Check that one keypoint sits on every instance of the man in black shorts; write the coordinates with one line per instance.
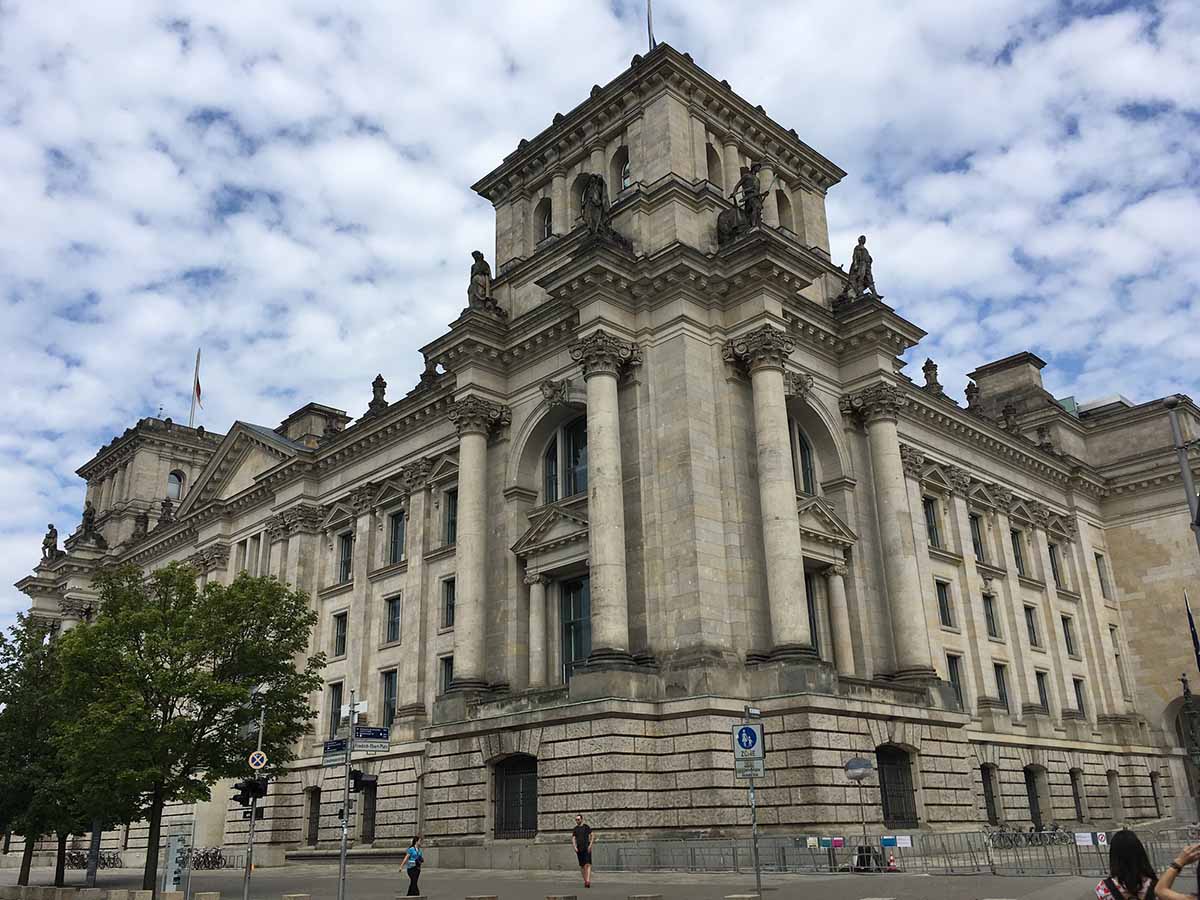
(582, 840)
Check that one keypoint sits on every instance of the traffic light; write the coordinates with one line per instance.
(244, 790)
(359, 780)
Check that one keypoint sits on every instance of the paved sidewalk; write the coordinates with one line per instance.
(375, 882)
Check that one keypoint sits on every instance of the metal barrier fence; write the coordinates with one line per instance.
(951, 853)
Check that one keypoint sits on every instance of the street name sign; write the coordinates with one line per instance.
(371, 739)
(334, 753)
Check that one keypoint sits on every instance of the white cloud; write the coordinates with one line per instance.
(1025, 170)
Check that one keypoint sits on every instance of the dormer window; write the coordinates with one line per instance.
(564, 464)
(175, 486)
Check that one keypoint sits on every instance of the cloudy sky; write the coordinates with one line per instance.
(287, 185)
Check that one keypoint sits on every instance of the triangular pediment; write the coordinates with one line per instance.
(1021, 512)
(339, 513)
(391, 493)
(445, 469)
(934, 475)
(245, 455)
(552, 527)
(979, 494)
(818, 520)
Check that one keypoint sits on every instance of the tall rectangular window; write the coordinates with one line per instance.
(345, 556)
(451, 520)
(929, 504)
(446, 672)
(1102, 573)
(1018, 554)
(810, 593)
(1069, 635)
(575, 457)
(392, 622)
(390, 681)
(397, 536)
(989, 616)
(1031, 625)
(1042, 689)
(1079, 700)
(575, 613)
(1001, 683)
(253, 554)
(945, 607)
(335, 708)
(1116, 650)
(341, 622)
(448, 594)
(1055, 566)
(954, 671)
(977, 537)
(550, 471)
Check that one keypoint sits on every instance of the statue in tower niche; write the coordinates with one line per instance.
(479, 290)
(87, 524)
(860, 280)
(747, 197)
(50, 543)
(593, 202)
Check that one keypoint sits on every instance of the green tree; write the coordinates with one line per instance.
(163, 680)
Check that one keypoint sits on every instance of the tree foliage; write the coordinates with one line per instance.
(162, 685)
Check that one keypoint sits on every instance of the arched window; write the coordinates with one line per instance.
(713, 160)
(803, 462)
(896, 790)
(619, 172)
(564, 464)
(516, 797)
(990, 793)
(543, 220)
(175, 485)
(785, 211)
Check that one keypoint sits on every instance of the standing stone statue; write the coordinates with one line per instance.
(479, 292)
(50, 542)
(594, 203)
(861, 279)
(167, 515)
(88, 524)
(751, 199)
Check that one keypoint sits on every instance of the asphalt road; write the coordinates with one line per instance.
(375, 882)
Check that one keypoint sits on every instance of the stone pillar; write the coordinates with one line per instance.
(475, 418)
(596, 165)
(770, 210)
(558, 210)
(839, 619)
(537, 630)
(763, 351)
(731, 164)
(602, 356)
(879, 407)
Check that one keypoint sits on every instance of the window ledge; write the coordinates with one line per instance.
(387, 645)
(341, 587)
(397, 568)
(445, 629)
(441, 552)
(1037, 648)
(1028, 581)
(341, 657)
(987, 568)
(944, 554)
(1076, 657)
(952, 629)
(996, 640)
(1069, 594)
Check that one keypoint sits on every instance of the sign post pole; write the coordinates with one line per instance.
(341, 891)
(749, 763)
(262, 716)
(857, 770)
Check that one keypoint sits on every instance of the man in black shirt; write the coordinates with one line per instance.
(582, 840)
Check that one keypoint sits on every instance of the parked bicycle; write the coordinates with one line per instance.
(78, 859)
(208, 858)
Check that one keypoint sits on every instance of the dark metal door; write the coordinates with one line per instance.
(1035, 804)
(314, 817)
(989, 795)
(896, 788)
(368, 819)
(516, 798)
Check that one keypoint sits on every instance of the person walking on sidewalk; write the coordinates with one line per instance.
(412, 865)
(582, 839)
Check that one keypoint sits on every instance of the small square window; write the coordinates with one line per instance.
(448, 592)
(945, 606)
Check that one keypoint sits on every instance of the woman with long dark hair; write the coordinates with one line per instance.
(1132, 877)
(413, 860)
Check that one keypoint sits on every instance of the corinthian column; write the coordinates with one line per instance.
(537, 630)
(601, 356)
(879, 407)
(763, 351)
(475, 419)
(839, 619)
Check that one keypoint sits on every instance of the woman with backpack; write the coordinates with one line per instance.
(1131, 877)
(412, 865)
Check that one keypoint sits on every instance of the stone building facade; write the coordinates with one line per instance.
(666, 463)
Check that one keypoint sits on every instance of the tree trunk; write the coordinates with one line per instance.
(26, 860)
(150, 873)
(60, 863)
(94, 853)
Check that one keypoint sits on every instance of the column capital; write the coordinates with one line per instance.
(960, 480)
(766, 347)
(537, 579)
(475, 415)
(838, 570)
(879, 401)
(600, 353)
(277, 527)
(912, 460)
(303, 518)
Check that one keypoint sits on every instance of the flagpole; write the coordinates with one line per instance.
(650, 23)
(195, 381)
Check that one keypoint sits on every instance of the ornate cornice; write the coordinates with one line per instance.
(878, 401)
(766, 347)
(475, 415)
(600, 353)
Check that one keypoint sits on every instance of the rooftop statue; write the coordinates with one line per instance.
(50, 542)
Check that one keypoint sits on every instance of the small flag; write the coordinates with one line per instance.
(650, 23)
(196, 381)
(1192, 628)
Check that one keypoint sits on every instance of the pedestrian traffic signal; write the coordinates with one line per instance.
(250, 789)
(359, 780)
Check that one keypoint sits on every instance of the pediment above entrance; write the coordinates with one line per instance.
(553, 527)
(245, 455)
(819, 522)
